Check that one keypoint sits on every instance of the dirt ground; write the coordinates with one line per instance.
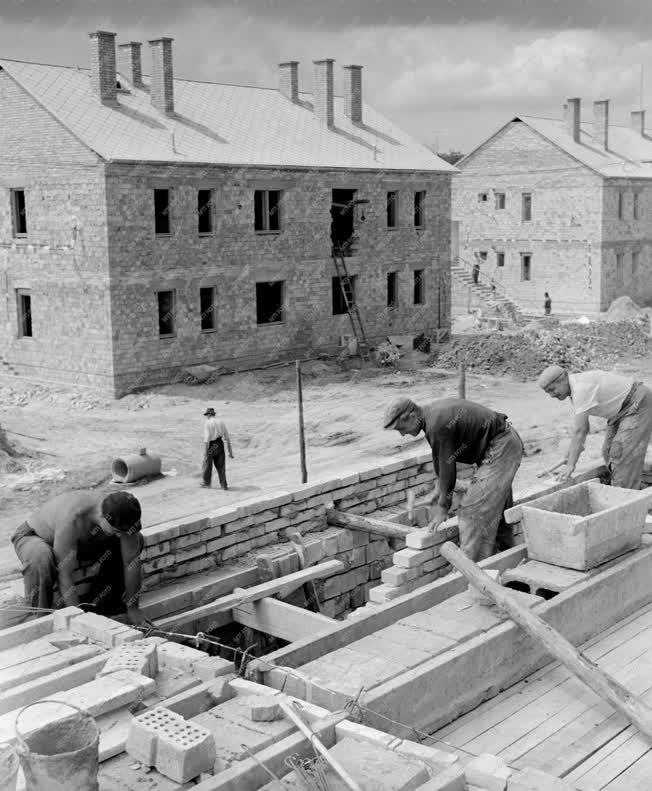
(74, 436)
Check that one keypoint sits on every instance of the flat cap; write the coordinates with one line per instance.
(396, 409)
(550, 375)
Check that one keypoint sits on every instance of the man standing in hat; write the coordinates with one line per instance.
(461, 430)
(77, 528)
(215, 435)
(625, 404)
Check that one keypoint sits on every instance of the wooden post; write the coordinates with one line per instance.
(554, 643)
(461, 386)
(302, 436)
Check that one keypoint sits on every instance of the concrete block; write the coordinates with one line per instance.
(451, 779)
(260, 708)
(378, 767)
(179, 749)
(437, 759)
(421, 539)
(61, 618)
(344, 541)
(395, 576)
(488, 771)
(212, 667)
(409, 558)
(178, 656)
(384, 593)
(100, 629)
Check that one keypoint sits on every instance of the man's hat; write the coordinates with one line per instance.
(209, 412)
(395, 410)
(550, 375)
(122, 511)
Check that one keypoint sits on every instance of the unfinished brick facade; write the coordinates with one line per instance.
(574, 234)
(93, 264)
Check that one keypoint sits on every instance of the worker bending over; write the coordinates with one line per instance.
(81, 527)
(625, 404)
(461, 430)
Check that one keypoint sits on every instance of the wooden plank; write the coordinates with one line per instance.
(552, 641)
(24, 632)
(343, 633)
(281, 619)
(368, 524)
(282, 586)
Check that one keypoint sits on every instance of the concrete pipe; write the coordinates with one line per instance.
(131, 468)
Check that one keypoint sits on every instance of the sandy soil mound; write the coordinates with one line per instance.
(625, 309)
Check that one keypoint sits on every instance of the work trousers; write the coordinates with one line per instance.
(483, 530)
(627, 438)
(105, 575)
(214, 455)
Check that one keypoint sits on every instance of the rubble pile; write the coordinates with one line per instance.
(32, 393)
(525, 353)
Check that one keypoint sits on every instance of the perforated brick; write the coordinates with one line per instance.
(179, 749)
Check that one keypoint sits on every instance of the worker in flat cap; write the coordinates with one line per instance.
(461, 430)
(81, 528)
(215, 435)
(625, 404)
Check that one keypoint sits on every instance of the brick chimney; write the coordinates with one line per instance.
(103, 69)
(288, 80)
(637, 121)
(572, 117)
(323, 91)
(353, 93)
(601, 123)
(162, 85)
(129, 63)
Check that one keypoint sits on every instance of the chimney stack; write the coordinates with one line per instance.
(162, 85)
(130, 65)
(323, 91)
(353, 93)
(572, 114)
(601, 123)
(103, 69)
(637, 121)
(288, 80)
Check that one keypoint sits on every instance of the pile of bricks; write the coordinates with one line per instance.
(180, 548)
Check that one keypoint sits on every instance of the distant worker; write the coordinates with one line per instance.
(625, 404)
(476, 270)
(81, 527)
(215, 435)
(547, 304)
(461, 430)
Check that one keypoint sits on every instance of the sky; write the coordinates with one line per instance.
(450, 73)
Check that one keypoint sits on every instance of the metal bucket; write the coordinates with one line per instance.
(62, 755)
(8, 767)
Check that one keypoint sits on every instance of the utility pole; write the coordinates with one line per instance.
(302, 437)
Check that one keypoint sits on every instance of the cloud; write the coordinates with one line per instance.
(343, 14)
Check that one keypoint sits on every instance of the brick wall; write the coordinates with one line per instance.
(63, 259)
(240, 535)
(564, 235)
(235, 257)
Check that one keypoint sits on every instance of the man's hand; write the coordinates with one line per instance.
(565, 473)
(230, 455)
(135, 616)
(441, 515)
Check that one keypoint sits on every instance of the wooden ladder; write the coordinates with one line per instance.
(351, 308)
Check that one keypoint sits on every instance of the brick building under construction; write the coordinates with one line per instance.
(148, 224)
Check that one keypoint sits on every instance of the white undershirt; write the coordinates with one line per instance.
(599, 393)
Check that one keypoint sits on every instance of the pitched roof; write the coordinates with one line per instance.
(220, 124)
(629, 154)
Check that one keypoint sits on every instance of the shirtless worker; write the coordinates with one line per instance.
(461, 430)
(81, 527)
(625, 404)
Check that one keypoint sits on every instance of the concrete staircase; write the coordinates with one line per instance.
(490, 298)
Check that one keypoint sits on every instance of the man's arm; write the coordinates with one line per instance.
(131, 545)
(581, 430)
(227, 439)
(65, 555)
(445, 464)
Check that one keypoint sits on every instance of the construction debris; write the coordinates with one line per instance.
(525, 353)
